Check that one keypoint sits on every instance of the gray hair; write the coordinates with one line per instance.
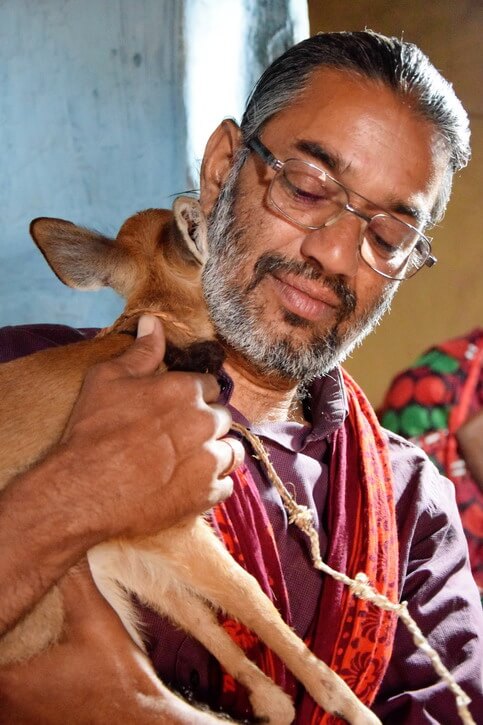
(401, 66)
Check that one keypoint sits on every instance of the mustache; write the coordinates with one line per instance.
(270, 263)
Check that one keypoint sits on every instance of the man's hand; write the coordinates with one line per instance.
(141, 452)
(96, 675)
(150, 443)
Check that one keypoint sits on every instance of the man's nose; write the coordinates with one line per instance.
(336, 247)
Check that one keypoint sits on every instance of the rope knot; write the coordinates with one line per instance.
(361, 586)
(301, 516)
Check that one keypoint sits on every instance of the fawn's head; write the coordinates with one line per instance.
(155, 263)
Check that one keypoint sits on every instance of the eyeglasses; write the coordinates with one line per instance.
(312, 199)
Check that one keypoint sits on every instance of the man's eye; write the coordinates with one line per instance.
(306, 195)
(388, 239)
(306, 190)
(384, 247)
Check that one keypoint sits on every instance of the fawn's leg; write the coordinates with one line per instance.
(208, 569)
(108, 565)
(197, 618)
(118, 569)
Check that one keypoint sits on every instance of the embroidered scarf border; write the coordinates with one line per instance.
(353, 636)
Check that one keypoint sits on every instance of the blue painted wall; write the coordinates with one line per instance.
(92, 128)
(93, 119)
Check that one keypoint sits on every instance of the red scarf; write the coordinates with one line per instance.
(355, 638)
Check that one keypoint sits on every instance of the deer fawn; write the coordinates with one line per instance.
(184, 573)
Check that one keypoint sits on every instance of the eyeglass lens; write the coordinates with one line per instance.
(309, 197)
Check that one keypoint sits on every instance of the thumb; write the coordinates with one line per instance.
(146, 354)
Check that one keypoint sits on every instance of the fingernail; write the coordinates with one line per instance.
(146, 325)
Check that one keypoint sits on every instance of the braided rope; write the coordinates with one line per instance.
(360, 586)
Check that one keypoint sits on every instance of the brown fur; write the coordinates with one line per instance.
(184, 573)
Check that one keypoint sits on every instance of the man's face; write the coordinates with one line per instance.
(293, 302)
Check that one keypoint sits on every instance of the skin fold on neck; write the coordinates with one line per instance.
(263, 399)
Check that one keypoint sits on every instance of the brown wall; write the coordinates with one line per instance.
(448, 299)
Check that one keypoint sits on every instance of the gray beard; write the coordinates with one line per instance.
(241, 323)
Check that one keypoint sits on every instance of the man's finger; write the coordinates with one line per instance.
(223, 419)
(231, 455)
(146, 354)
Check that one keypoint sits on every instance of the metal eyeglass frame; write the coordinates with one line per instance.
(267, 157)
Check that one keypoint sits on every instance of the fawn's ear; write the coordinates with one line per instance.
(80, 258)
(191, 225)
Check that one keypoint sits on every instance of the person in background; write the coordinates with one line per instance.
(437, 403)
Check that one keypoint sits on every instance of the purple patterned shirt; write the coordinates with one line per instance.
(434, 573)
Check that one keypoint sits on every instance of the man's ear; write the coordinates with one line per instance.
(217, 161)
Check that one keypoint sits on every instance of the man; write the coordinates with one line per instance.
(317, 208)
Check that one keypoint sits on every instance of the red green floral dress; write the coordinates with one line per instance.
(427, 403)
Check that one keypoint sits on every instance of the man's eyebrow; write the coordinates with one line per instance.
(419, 216)
(335, 163)
(312, 148)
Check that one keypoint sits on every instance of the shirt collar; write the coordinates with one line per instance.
(327, 403)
